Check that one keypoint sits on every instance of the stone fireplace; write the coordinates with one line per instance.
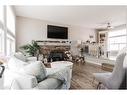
(56, 55)
(54, 50)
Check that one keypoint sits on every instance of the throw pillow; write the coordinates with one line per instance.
(20, 56)
(15, 64)
(15, 85)
(36, 69)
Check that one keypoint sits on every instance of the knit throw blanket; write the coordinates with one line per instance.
(62, 75)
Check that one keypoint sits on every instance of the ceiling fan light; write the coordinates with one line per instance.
(109, 26)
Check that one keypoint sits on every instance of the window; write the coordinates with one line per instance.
(1, 14)
(1, 41)
(1, 29)
(7, 30)
(10, 36)
(10, 45)
(10, 20)
(117, 40)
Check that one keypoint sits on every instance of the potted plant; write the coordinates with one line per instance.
(32, 49)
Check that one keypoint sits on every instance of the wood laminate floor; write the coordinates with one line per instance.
(82, 76)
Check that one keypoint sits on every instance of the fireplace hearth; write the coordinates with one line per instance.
(56, 56)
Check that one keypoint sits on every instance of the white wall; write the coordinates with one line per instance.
(28, 29)
(81, 33)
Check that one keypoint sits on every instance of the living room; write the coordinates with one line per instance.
(77, 47)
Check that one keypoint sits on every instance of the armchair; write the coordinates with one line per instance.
(113, 80)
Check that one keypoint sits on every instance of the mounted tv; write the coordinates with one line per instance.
(57, 32)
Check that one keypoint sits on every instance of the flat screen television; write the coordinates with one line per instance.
(57, 32)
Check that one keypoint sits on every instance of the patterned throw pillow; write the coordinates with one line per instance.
(36, 69)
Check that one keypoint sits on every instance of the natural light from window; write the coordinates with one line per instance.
(7, 30)
(1, 29)
(117, 40)
(1, 14)
(10, 44)
(10, 20)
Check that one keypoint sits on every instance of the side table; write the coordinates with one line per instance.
(107, 67)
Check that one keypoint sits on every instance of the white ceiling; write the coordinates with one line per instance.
(87, 16)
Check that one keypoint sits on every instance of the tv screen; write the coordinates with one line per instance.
(57, 32)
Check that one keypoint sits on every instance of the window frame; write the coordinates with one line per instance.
(116, 43)
(6, 31)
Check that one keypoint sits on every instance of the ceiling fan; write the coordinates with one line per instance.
(105, 26)
(109, 26)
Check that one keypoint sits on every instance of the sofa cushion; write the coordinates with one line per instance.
(36, 69)
(49, 83)
(20, 56)
(15, 64)
(15, 85)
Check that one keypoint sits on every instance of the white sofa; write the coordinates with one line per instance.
(15, 79)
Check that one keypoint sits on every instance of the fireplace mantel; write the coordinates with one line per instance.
(54, 43)
(48, 46)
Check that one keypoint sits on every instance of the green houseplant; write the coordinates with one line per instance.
(32, 49)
